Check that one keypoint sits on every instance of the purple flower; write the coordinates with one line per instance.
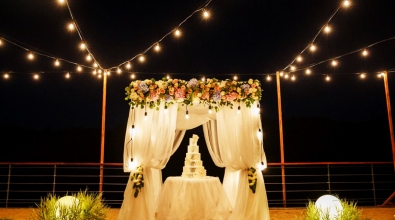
(192, 83)
(245, 87)
(143, 87)
(217, 96)
(168, 97)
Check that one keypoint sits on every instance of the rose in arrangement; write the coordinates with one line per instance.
(213, 92)
(138, 180)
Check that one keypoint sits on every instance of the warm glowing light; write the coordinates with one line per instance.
(281, 73)
(167, 76)
(203, 79)
(82, 46)
(329, 207)
(206, 14)
(299, 58)
(30, 56)
(57, 63)
(36, 76)
(99, 76)
(95, 65)
(177, 33)
(380, 75)
(132, 76)
(234, 77)
(346, 3)
(71, 26)
(79, 68)
(133, 164)
(99, 71)
(65, 204)
(365, 53)
(67, 75)
(119, 70)
(293, 78)
(210, 110)
(334, 62)
(141, 58)
(128, 65)
(313, 48)
(327, 29)
(268, 78)
(94, 72)
(157, 47)
(362, 75)
(293, 68)
(328, 78)
(308, 71)
(88, 57)
(1, 42)
(261, 166)
(186, 115)
(286, 76)
(61, 1)
(6, 76)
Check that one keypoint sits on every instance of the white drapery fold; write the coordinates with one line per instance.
(150, 139)
(234, 141)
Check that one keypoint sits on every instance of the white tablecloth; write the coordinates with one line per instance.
(192, 198)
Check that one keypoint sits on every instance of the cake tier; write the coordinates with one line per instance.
(193, 149)
(193, 171)
(192, 156)
(196, 163)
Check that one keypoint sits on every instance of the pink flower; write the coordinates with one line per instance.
(179, 93)
(205, 95)
(232, 96)
(154, 96)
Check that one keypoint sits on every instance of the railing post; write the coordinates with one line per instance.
(373, 184)
(329, 178)
(8, 185)
(54, 179)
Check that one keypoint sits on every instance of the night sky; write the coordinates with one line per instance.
(42, 119)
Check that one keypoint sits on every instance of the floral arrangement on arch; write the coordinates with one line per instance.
(213, 92)
(138, 180)
(252, 179)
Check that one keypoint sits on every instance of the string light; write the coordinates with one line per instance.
(82, 46)
(167, 76)
(238, 109)
(71, 27)
(177, 33)
(293, 68)
(209, 109)
(132, 76)
(67, 75)
(328, 78)
(268, 78)
(57, 63)
(365, 53)
(157, 47)
(79, 68)
(327, 29)
(234, 77)
(281, 73)
(36, 76)
(128, 65)
(362, 76)
(94, 72)
(299, 58)
(206, 14)
(6, 76)
(308, 71)
(61, 1)
(203, 79)
(30, 56)
(1, 42)
(142, 58)
(293, 78)
(313, 48)
(95, 65)
(286, 76)
(334, 62)
(346, 3)
(88, 57)
(119, 71)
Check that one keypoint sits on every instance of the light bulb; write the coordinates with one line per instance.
(210, 110)
(141, 58)
(157, 47)
(82, 46)
(30, 56)
(268, 78)
(363, 76)
(186, 115)
(177, 33)
(299, 58)
(67, 75)
(308, 71)
(71, 27)
(327, 29)
(313, 48)
(206, 14)
(365, 53)
(57, 63)
(128, 65)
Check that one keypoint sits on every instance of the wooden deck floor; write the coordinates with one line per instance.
(372, 213)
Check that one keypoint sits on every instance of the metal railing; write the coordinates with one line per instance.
(367, 183)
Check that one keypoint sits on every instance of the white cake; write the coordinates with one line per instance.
(193, 167)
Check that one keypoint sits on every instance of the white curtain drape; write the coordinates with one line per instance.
(150, 139)
(234, 141)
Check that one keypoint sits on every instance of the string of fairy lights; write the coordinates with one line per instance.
(288, 72)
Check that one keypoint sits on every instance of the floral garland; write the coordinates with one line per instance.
(212, 92)
(252, 179)
(138, 180)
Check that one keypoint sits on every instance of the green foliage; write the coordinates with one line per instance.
(350, 212)
(88, 206)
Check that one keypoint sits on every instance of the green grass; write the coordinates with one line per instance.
(350, 212)
(89, 207)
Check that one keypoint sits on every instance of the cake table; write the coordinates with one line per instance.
(193, 198)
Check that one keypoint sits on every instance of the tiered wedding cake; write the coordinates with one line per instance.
(193, 167)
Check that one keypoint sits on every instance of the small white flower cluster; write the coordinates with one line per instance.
(252, 179)
(138, 180)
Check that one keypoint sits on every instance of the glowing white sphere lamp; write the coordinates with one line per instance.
(64, 203)
(329, 206)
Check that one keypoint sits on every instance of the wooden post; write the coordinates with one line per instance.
(387, 98)
(280, 121)
(103, 131)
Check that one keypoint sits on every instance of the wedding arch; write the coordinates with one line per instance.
(160, 113)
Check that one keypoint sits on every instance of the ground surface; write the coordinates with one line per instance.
(373, 213)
